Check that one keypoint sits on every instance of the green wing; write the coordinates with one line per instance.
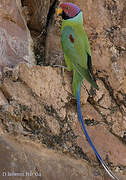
(75, 51)
(77, 55)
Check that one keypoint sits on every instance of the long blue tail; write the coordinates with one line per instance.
(80, 117)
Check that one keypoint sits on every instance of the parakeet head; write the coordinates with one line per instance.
(68, 10)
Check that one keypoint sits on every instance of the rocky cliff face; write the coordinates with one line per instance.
(40, 135)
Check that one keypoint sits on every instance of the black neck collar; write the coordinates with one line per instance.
(65, 17)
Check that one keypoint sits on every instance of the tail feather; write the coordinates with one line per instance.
(84, 73)
(80, 117)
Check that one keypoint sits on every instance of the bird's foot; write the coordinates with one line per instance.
(62, 67)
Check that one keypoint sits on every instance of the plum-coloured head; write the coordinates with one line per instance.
(68, 10)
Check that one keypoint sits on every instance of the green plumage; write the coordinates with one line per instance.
(77, 51)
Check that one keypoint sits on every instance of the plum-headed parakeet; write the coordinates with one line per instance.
(77, 56)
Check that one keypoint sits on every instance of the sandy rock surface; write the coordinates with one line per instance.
(40, 135)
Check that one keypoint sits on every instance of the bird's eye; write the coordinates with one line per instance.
(67, 7)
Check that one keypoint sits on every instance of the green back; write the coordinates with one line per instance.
(76, 52)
